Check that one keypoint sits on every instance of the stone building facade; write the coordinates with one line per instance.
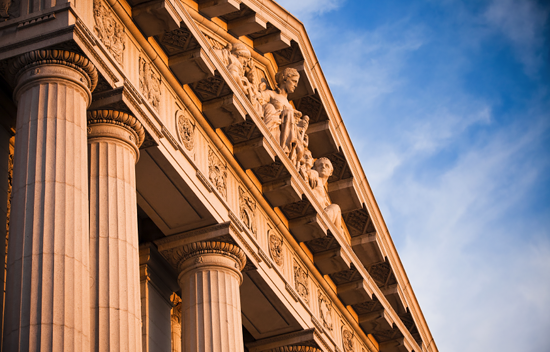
(175, 176)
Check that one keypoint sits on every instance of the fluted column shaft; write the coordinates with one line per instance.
(47, 296)
(113, 140)
(210, 276)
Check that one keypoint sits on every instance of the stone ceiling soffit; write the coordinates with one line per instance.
(301, 338)
(157, 16)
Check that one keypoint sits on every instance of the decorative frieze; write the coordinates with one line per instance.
(217, 173)
(149, 83)
(325, 311)
(186, 130)
(109, 31)
(247, 208)
(276, 247)
(301, 278)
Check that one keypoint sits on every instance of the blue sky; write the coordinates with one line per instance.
(448, 105)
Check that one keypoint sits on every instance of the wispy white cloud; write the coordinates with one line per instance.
(522, 22)
(304, 9)
(486, 270)
(455, 174)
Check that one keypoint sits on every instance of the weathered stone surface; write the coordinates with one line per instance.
(115, 297)
(48, 298)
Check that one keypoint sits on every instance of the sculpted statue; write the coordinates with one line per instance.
(239, 63)
(318, 178)
(286, 124)
(283, 121)
(306, 165)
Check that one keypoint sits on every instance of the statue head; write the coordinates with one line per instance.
(308, 159)
(240, 51)
(287, 79)
(323, 166)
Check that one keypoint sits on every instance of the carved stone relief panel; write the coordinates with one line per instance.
(276, 247)
(217, 173)
(186, 129)
(247, 208)
(149, 83)
(347, 340)
(325, 311)
(109, 31)
(301, 284)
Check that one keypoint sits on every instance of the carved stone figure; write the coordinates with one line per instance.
(301, 282)
(186, 130)
(306, 165)
(176, 322)
(276, 247)
(322, 170)
(217, 173)
(248, 210)
(4, 8)
(325, 311)
(299, 148)
(109, 31)
(279, 116)
(239, 63)
(347, 340)
(149, 83)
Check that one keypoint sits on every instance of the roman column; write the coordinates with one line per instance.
(48, 297)
(113, 141)
(209, 278)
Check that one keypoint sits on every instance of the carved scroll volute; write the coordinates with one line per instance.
(217, 173)
(301, 282)
(247, 208)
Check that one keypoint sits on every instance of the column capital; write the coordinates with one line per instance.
(59, 57)
(180, 255)
(121, 119)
